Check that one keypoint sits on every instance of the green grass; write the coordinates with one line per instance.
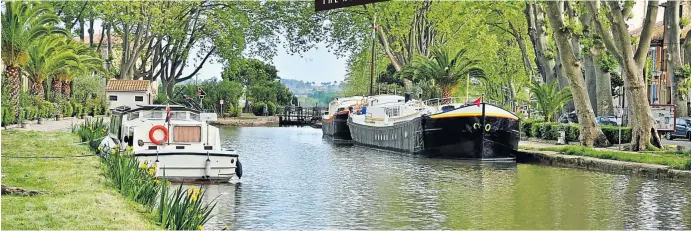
(674, 160)
(77, 196)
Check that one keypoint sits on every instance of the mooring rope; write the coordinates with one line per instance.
(90, 140)
(45, 157)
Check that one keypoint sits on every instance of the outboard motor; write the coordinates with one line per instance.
(407, 97)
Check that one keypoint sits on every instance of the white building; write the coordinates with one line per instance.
(128, 93)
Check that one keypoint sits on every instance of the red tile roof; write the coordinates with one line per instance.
(127, 85)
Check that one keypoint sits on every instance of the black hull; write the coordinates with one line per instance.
(451, 137)
(337, 128)
(463, 137)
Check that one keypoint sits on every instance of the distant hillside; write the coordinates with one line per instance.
(299, 87)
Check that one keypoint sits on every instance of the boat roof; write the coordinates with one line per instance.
(152, 107)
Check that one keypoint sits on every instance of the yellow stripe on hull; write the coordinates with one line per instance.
(473, 114)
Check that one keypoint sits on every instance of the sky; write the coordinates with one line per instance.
(316, 65)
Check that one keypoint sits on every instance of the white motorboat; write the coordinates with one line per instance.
(184, 146)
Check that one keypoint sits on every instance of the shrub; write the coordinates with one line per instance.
(258, 108)
(78, 109)
(22, 115)
(67, 109)
(46, 110)
(8, 115)
(231, 109)
(271, 108)
(92, 131)
(526, 126)
(550, 131)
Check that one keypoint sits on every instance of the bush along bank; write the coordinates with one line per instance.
(182, 209)
(550, 131)
(680, 161)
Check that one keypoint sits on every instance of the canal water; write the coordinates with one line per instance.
(294, 179)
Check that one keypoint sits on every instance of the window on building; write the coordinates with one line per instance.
(139, 98)
(113, 97)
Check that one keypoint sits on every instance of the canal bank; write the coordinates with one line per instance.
(247, 121)
(73, 192)
(611, 166)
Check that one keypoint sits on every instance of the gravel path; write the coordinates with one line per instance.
(50, 125)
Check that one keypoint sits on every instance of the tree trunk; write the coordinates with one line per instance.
(672, 41)
(446, 95)
(590, 130)
(109, 54)
(603, 85)
(538, 36)
(66, 89)
(591, 82)
(563, 80)
(12, 77)
(91, 32)
(81, 29)
(57, 87)
(687, 48)
(37, 89)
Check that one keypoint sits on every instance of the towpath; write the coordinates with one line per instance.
(51, 125)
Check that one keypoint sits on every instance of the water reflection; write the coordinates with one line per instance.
(296, 180)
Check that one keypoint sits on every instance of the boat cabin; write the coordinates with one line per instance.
(145, 127)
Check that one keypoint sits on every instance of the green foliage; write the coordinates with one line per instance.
(230, 109)
(215, 91)
(550, 131)
(183, 209)
(271, 108)
(549, 98)
(684, 21)
(607, 63)
(87, 87)
(179, 210)
(91, 131)
(258, 108)
(46, 110)
(135, 182)
(23, 23)
(444, 68)
(250, 72)
(8, 115)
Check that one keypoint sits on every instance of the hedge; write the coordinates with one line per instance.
(550, 131)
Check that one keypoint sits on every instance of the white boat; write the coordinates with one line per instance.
(335, 121)
(186, 147)
(453, 130)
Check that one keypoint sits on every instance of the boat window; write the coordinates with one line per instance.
(152, 114)
(391, 112)
(178, 115)
(187, 134)
(115, 123)
(133, 115)
(194, 116)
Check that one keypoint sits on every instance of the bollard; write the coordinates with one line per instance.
(562, 138)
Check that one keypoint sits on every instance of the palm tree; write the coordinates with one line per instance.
(47, 57)
(444, 68)
(22, 23)
(87, 61)
(549, 98)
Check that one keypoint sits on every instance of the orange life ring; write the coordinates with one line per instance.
(151, 134)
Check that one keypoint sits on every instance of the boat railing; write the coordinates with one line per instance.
(453, 100)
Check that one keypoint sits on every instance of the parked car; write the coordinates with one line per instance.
(568, 118)
(606, 120)
(682, 129)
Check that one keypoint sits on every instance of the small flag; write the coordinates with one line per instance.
(167, 113)
(478, 101)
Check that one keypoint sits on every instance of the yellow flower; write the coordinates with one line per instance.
(194, 197)
(201, 227)
(156, 181)
(226, 228)
(129, 148)
(154, 166)
(151, 171)
(100, 148)
(143, 166)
